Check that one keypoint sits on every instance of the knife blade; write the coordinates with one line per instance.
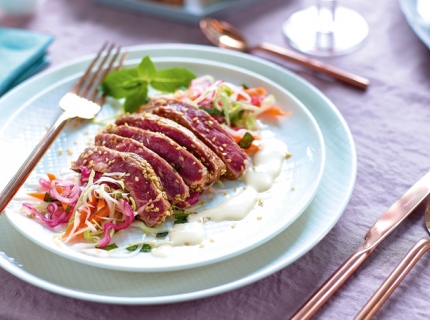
(389, 220)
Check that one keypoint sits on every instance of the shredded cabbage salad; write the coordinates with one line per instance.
(94, 208)
(235, 105)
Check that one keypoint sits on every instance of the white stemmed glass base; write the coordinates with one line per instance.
(347, 32)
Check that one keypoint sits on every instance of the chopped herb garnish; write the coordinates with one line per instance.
(110, 247)
(162, 234)
(176, 167)
(48, 198)
(68, 209)
(246, 141)
(180, 218)
(244, 86)
(212, 111)
(132, 84)
(132, 248)
(118, 195)
(146, 248)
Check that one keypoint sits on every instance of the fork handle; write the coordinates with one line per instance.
(394, 279)
(22, 174)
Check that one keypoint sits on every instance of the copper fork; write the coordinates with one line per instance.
(83, 101)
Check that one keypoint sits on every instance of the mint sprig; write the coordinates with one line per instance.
(132, 84)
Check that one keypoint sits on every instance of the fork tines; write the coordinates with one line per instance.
(87, 85)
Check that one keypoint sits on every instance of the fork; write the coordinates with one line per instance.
(82, 101)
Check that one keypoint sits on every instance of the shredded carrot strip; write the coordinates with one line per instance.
(275, 111)
(37, 195)
(92, 205)
(256, 91)
(51, 176)
(81, 216)
(99, 214)
(253, 148)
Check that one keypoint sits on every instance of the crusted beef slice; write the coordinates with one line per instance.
(175, 188)
(192, 171)
(139, 179)
(207, 130)
(182, 136)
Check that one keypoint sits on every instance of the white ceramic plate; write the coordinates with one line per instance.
(281, 204)
(49, 271)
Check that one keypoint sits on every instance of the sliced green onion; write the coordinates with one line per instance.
(110, 247)
(246, 141)
(176, 167)
(146, 248)
(212, 111)
(181, 218)
(162, 234)
(87, 235)
(48, 198)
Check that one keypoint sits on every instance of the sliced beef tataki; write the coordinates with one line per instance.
(176, 190)
(207, 130)
(192, 171)
(182, 136)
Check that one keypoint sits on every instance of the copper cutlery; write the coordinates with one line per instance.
(224, 35)
(389, 220)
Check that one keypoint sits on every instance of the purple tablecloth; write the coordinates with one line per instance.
(389, 123)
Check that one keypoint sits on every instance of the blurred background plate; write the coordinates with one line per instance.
(417, 13)
(188, 11)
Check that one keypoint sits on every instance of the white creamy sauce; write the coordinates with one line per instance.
(187, 234)
(234, 208)
(267, 165)
(162, 251)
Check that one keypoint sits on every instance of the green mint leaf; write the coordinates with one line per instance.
(170, 79)
(135, 100)
(121, 83)
(132, 84)
(146, 70)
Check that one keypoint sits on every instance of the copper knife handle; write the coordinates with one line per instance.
(332, 284)
(315, 65)
(22, 174)
(393, 280)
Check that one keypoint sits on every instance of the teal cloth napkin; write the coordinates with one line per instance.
(22, 54)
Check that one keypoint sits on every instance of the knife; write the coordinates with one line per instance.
(389, 220)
